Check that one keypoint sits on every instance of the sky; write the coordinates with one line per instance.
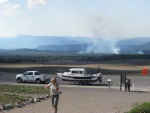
(111, 19)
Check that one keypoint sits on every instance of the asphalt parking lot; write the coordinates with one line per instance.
(137, 81)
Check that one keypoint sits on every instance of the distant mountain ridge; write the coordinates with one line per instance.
(134, 41)
(32, 42)
(139, 45)
(24, 43)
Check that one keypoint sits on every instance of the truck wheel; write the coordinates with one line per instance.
(38, 81)
(19, 80)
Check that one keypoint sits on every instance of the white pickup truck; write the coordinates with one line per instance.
(32, 76)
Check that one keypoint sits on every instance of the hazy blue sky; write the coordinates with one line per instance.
(92, 18)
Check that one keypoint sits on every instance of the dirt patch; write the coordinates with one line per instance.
(107, 69)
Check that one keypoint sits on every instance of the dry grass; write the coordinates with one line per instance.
(103, 66)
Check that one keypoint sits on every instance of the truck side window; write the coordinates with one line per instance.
(37, 73)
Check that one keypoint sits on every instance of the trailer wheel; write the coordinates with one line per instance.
(87, 83)
(80, 83)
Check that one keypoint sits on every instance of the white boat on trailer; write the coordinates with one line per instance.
(80, 75)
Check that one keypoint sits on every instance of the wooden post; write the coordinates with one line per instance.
(98, 70)
(125, 83)
(121, 82)
(109, 84)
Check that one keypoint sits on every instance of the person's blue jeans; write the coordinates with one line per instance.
(55, 99)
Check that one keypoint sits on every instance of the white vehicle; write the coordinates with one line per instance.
(80, 75)
(32, 76)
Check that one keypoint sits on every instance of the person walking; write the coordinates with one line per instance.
(129, 84)
(54, 93)
(126, 84)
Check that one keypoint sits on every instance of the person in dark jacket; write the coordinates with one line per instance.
(126, 86)
(129, 84)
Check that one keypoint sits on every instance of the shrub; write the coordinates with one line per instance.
(141, 108)
(23, 89)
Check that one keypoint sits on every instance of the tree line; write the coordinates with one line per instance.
(69, 58)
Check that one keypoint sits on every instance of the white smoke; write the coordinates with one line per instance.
(102, 30)
(140, 52)
(104, 46)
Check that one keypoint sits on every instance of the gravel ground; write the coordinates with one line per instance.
(84, 99)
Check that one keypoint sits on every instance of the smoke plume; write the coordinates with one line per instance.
(103, 32)
(103, 46)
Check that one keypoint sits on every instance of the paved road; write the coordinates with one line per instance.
(137, 81)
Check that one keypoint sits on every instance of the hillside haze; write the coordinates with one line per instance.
(70, 44)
